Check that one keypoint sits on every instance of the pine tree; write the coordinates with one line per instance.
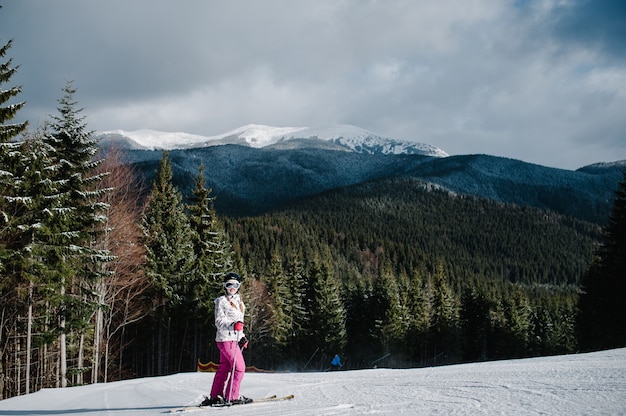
(213, 252)
(279, 293)
(418, 304)
(601, 320)
(213, 258)
(7, 113)
(386, 310)
(445, 315)
(475, 323)
(10, 157)
(327, 326)
(170, 257)
(293, 293)
(76, 222)
(361, 336)
(517, 313)
(32, 201)
(27, 203)
(13, 204)
(168, 237)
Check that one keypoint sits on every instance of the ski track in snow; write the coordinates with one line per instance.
(581, 384)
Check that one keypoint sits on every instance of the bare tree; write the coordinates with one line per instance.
(120, 289)
(260, 317)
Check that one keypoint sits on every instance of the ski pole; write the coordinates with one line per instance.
(232, 376)
(232, 371)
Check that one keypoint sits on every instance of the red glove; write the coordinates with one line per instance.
(238, 326)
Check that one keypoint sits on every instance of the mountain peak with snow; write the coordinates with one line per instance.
(342, 137)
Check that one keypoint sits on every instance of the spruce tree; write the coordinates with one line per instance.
(279, 293)
(170, 259)
(10, 157)
(517, 312)
(167, 236)
(327, 325)
(286, 287)
(15, 211)
(418, 305)
(445, 315)
(8, 112)
(389, 324)
(213, 252)
(28, 249)
(475, 323)
(601, 320)
(76, 221)
(213, 258)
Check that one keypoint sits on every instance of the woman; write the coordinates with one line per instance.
(230, 339)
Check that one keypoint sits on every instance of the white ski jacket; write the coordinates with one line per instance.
(228, 310)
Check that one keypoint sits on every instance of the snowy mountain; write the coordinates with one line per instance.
(342, 137)
(257, 168)
(578, 384)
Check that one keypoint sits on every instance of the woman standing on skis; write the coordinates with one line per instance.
(230, 339)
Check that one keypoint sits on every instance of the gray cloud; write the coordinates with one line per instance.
(541, 81)
(597, 24)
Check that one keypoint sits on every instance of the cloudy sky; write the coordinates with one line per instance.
(543, 81)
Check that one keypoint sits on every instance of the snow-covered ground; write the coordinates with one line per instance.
(581, 384)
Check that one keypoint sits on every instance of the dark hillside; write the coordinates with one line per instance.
(586, 193)
(426, 276)
(251, 181)
(416, 225)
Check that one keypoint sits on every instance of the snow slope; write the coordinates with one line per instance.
(581, 384)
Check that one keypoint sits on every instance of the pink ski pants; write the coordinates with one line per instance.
(221, 381)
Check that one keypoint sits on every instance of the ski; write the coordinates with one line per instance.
(273, 398)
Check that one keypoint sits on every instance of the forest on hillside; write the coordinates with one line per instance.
(423, 276)
(103, 277)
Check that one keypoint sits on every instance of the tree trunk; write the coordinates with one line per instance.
(18, 367)
(62, 347)
(81, 359)
(29, 330)
(97, 342)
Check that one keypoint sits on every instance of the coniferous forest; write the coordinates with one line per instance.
(103, 277)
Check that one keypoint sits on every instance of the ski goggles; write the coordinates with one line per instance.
(232, 284)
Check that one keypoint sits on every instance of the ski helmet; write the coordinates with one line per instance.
(232, 276)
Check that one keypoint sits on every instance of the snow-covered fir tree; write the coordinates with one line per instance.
(213, 251)
(9, 131)
(75, 224)
(16, 223)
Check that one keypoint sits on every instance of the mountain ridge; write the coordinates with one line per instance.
(256, 168)
(343, 137)
(251, 181)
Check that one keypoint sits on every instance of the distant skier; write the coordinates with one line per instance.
(230, 339)
(335, 364)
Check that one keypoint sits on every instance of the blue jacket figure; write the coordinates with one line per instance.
(335, 364)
